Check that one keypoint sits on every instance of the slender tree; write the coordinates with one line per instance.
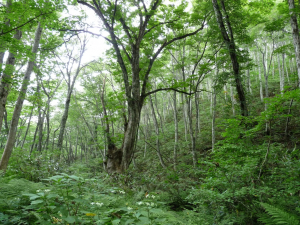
(228, 37)
(296, 36)
(19, 104)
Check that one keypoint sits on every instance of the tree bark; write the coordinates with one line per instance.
(19, 104)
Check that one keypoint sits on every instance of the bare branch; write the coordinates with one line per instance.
(86, 31)
(173, 89)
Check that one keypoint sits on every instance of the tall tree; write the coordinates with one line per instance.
(19, 104)
(228, 37)
(139, 28)
(296, 37)
(70, 80)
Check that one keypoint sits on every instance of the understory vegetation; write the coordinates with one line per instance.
(249, 178)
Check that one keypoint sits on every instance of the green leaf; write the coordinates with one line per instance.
(143, 220)
(70, 219)
(36, 202)
(116, 221)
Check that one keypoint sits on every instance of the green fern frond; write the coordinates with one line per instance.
(279, 216)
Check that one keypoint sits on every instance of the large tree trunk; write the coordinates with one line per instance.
(19, 104)
(229, 41)
(296, 37)
(129, 141)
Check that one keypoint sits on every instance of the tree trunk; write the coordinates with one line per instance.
(229, 41)
(19, 104)
(281, 73)
(68, 100)
(286, 68)
(7, 77)
(40, 119)
(232, 101)
(157, 134)
(6, 122)
(261, 93)
(3, 46)
(176, 129)
(296, 37)
(28, 126)
(214, 102)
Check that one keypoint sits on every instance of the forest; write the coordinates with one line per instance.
(138, 112)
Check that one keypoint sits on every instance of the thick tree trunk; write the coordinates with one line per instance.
(7, 76)
(296, 37)
(128, 146)
(229, 41)
(19, 104)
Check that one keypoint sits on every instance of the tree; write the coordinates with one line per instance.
(135, 36)
(296, 37)
(70, 81)
(17, 111)
(230, 44)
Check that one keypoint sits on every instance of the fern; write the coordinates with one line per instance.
(278, 216)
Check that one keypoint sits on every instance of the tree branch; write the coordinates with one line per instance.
(29, 21)
(162, 23)
(173, 89)
(159, 51)
(86, 31)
